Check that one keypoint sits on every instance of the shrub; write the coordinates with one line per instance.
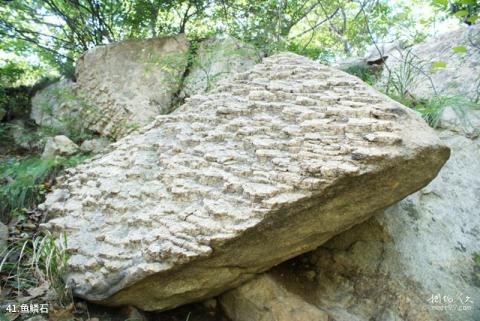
(35, 262)
(433, 108)
(362, 71)
(25, 181)
(73, 124)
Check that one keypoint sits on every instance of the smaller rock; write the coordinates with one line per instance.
(463, 120)
(3, 237)
(95, 146)
(310, 275)
(56, 104)
(59, 146)
(210, 304)
(347, 63)
(22, 136)
(265, 299)
(133, 314)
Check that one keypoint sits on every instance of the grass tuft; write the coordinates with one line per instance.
(362, 71)
(24, 182)
(34, 262)
(433, 108)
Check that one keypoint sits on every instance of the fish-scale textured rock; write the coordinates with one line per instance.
(271, 164)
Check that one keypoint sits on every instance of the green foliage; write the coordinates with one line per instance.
(439, 64)
(433, 108)
(15, 101)
(459, 49)
(476, 259)
(20, 137)
(74, 124)
(50, 256)
(16, 80)
(24, 182)
(323, 55)
(467, 11)
(35, 262)
(10, 73)
(57, 32)
(363, 72)
(403, 77)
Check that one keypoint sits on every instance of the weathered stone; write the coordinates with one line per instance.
(414, 65)
(59, 146)
(22, 135)
(435, 232)
(267, 300)
(415, 262)
(127, 84)
(215, 59)
(57, 106)
(123, 86)
(17, 131)
(349, 284)
(95, 146)
(269, 165)
(462, 120)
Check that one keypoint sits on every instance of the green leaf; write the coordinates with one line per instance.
(441, 2)
(472, 19)
(466, 1)
(461, 13)
(459, 49)
(439, 64)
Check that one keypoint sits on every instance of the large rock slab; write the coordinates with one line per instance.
(269, 165)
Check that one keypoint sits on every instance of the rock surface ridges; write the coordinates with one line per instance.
(271, 164)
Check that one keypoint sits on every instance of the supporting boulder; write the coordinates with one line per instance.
(59, 146)
(271, 164)
(266, 299)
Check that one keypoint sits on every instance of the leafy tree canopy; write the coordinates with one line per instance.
(56, 32)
